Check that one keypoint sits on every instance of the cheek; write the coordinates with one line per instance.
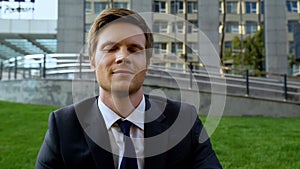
(98, 59)
(102, 60)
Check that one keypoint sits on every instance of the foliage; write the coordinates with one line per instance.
(291, 60)
(254, 51)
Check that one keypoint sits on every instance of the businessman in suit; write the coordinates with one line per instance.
(123, 127)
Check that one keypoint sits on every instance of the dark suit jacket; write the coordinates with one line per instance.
(78, 139)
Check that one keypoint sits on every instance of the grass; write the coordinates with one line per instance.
(22, 131)
(258, 143)
(240, 142)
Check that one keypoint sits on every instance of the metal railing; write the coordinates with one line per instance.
(238, 81)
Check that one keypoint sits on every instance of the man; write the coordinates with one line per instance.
(90, 134)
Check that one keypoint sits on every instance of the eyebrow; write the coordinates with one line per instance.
(108, 43)
(111, 43)
(137, 46)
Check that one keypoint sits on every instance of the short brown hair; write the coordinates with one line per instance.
(119, 15)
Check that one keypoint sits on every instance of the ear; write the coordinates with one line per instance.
(92, 63)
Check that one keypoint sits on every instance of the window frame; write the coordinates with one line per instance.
(192, 7)
(160, 48)
(192, 27)
(161, 26)
(231, 7)
(160, 5)
(251, 7)
(178, 27)
(88, 7)
(292, 6)
(176, 7)
(290, 25)
(251, 27)
(177, 47)
(122, 5)
(102, 6)
(232, 27)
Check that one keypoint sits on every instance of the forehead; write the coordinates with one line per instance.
(119, 31)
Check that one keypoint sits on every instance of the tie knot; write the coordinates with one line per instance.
(125, 126)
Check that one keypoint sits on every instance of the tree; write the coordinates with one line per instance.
(254, 51)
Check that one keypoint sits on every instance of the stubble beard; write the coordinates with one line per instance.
(121, 90)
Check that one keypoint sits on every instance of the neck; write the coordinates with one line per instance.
(121, 104)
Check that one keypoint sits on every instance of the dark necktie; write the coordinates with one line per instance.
(129, 158)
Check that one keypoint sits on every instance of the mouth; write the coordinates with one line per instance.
(122, 72)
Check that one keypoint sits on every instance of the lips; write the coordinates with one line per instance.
(122, 72)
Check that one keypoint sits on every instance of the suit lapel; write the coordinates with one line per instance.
(96, 133)
(97, 138)
(156, 137)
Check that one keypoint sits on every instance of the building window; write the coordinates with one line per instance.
(232, 27)
(192, 7)
(192, 47)
(220, 7)
(88, 7)
(100, 6)
(176, 7)
(262, 7)
(120, 5)
(231, 7)
(291, 47)
(292, 6)
(159, 6)
(177, 27)
(251, 7)
(192, 27)
(228, 45)
(160, 48)
(87, 27)
(291, 25)
(160, 27)
(251, 27)
(177, 47)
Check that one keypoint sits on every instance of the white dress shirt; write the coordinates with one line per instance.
(116, 135)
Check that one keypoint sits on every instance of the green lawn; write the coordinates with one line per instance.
(22, 131)
(240, 142)
(258, 143)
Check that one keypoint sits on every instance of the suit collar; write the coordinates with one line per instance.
(95, 132)
(155, 126)
(97, 136)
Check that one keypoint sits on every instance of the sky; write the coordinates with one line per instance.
(43, 9)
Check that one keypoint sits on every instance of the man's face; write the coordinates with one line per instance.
(120, 58)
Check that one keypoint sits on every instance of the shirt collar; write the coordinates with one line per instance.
(110, 117)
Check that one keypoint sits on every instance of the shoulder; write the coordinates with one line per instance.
(70, 109)
(70, 113)
(170, 110)
(168, 103)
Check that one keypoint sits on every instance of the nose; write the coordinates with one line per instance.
(122, 56)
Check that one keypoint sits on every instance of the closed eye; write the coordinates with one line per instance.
(109, 46)
(136, 49)
(110, 49)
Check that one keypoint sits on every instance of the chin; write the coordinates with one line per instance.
(125, 91)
